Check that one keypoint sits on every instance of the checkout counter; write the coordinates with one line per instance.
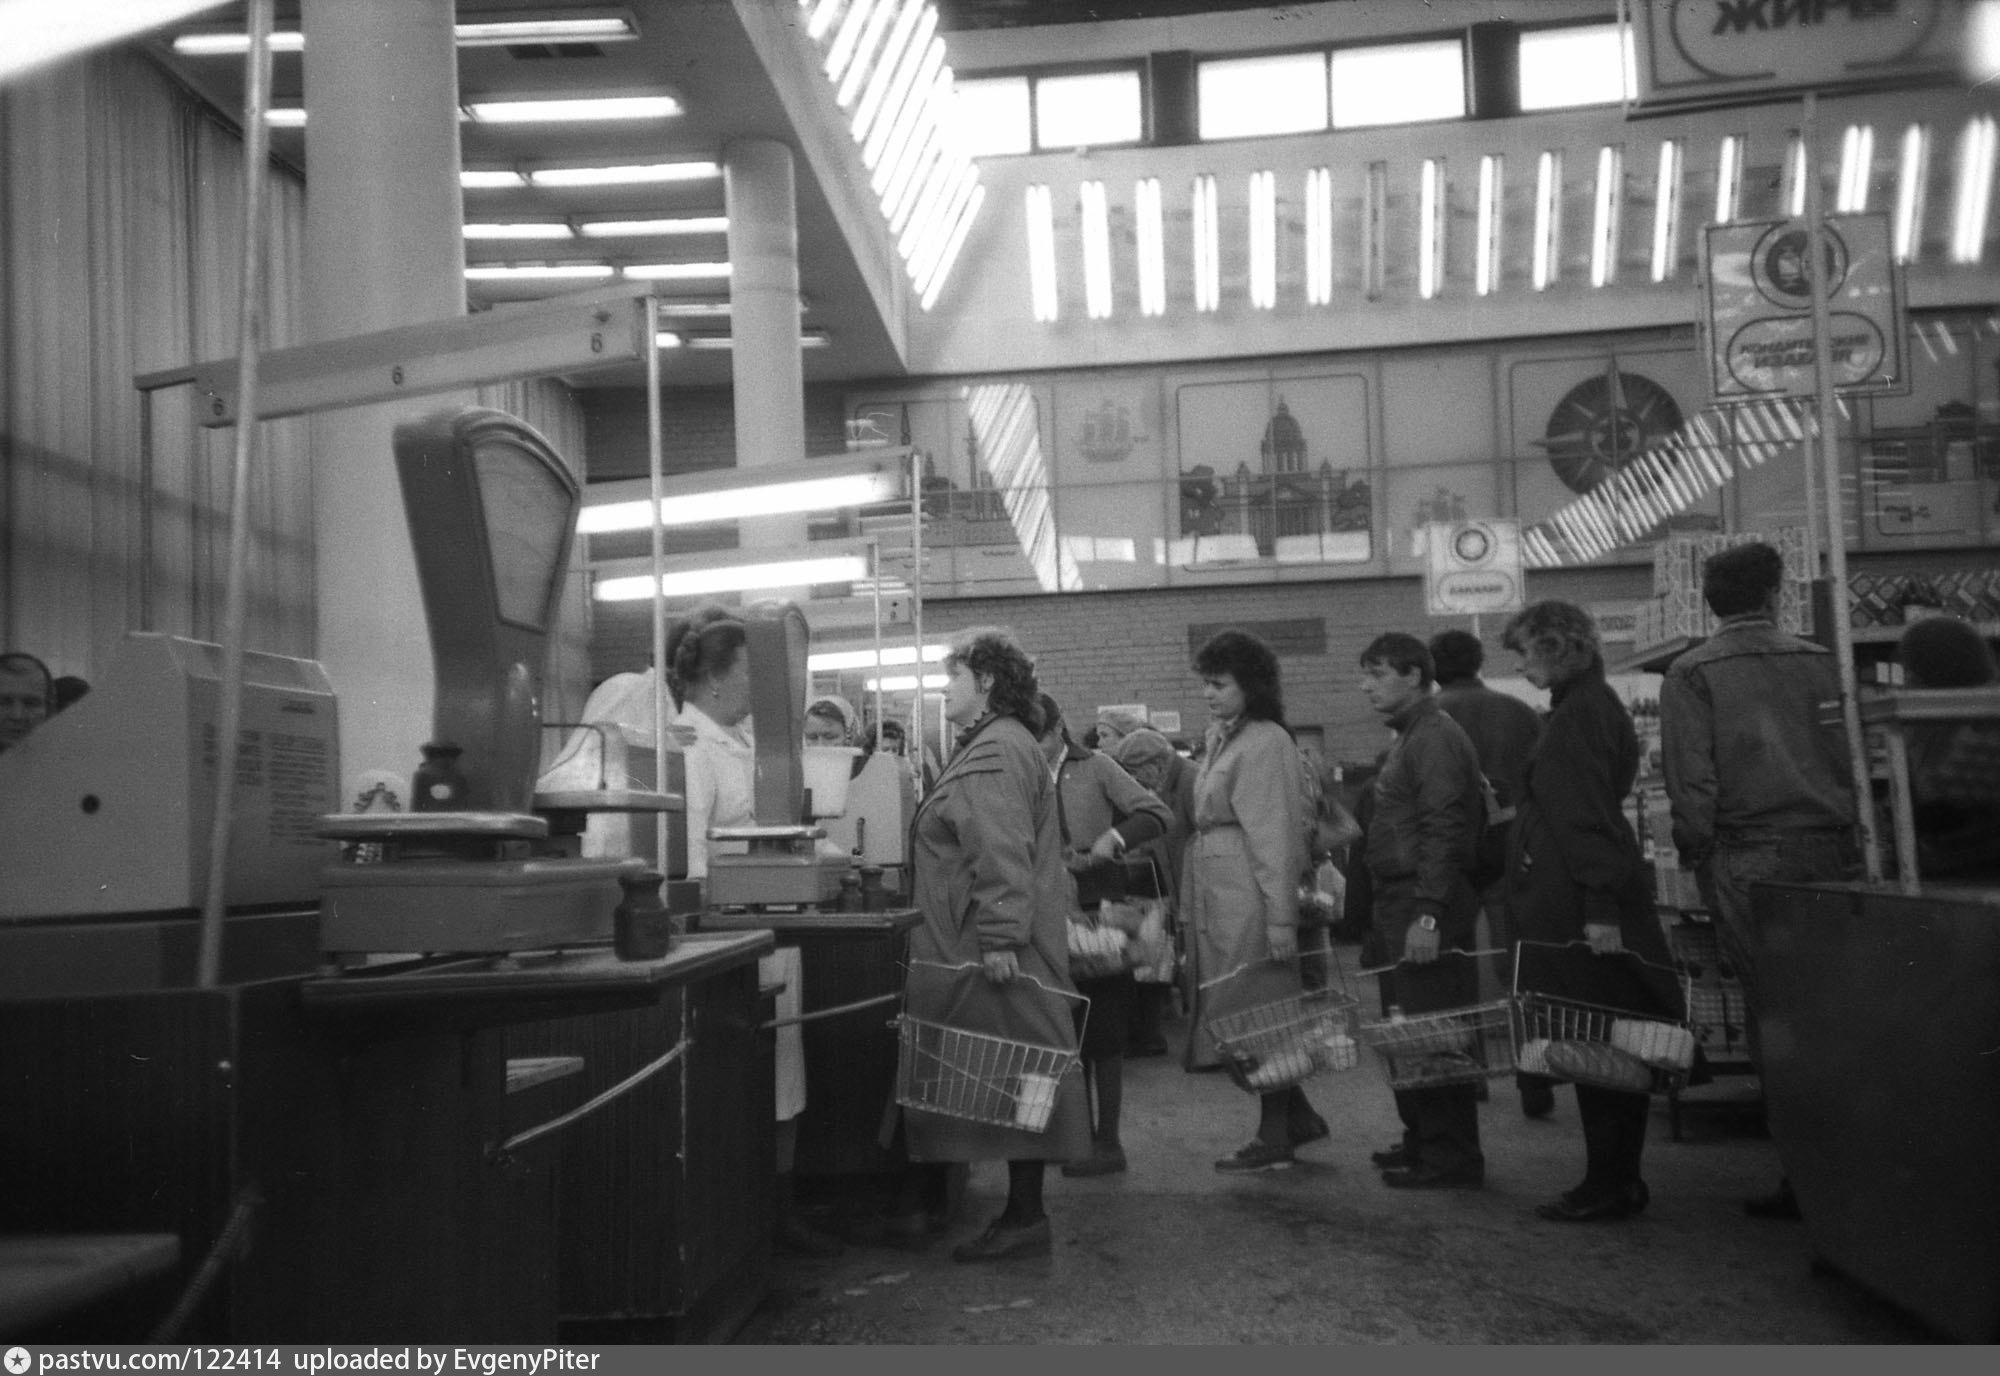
(1880, 1025)
(340, 1134)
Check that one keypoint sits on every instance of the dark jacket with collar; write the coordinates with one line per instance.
(1428, 813)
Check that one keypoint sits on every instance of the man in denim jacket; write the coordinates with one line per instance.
(1760, 789)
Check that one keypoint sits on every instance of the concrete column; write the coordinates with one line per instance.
(766, 372)
(384, 247)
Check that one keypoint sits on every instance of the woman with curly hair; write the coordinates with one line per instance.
(1575, 874)
(1241, 885)
(991, 955)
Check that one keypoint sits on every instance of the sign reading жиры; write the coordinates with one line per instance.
(1710, 50)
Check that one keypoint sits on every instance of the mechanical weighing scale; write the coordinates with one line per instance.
(492, 511)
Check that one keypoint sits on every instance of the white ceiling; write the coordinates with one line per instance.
(696, 50)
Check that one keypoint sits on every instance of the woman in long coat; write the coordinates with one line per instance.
(992, 953)
(1243, 867)
(1576, 877)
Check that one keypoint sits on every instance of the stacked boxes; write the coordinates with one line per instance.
(1879, 598)
(1677, 609)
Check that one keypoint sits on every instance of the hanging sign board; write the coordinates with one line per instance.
(1759, 325)
(1708, 51)
(1473, 567)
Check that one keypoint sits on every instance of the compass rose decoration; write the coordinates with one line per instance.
(1603, 423)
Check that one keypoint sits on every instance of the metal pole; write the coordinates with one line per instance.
(235, 613)
(1836, 545)
(655, 470)
(914, 734)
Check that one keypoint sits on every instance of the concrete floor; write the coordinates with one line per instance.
(1323, 1253)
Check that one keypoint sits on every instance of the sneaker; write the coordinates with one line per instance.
(1003, 1240)
(1104, 1159)
(1398, 1157)
(1258, 1156)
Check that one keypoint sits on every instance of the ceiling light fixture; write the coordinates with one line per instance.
(677, 272)
(489, 178)
(731, 493)
(667, 339)
(796, 573)
(519, 231)
(808, 339)
(685, 224)
(503, 272)
(575, 26)
(835, 661)
(477, 31)
(634, 174)
(285, 117)
(589, 110)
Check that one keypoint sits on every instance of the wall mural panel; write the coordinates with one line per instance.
(1246, 473)
(1274, 470)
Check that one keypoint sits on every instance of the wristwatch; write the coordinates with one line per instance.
(1427, 923)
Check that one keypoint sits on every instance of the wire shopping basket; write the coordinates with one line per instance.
(1447, 1046)
(1287, 1041)
(1610, 1048)
(978, 1076)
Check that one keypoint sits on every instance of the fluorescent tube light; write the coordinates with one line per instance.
(665, 339)
(519, 231)
(482, 179)
(1606, 214)
(1041, 254)
(1795, 176)
(501, 272)
(942, 270)
(1152, 248)
(904, 683)
(1728, 178)
(580, 111)
(837, 661)
(285, 117)
(1547, 261)
(683, 224)
(1912, 169)
(1667, 211)
(608, 26)
(1857, 161)
(677, 272)
(704, 508)
(1430, 229)
(1207, 252)
(1487, 222)
(844, 568)
(865, 54)
(583, 26)
(808, 339)
(234, 43)
(1096, 250)
(1975, 189)
(1263, 239)
(637, 174)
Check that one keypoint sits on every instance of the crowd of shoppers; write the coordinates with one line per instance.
(1011, 844)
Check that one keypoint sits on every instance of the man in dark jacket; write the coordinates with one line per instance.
(1760, 790)
(1504, 730)
(1428, 809)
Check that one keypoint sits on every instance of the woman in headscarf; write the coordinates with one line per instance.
(1102, 812)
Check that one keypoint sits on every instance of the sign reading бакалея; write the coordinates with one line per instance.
(1709, 50)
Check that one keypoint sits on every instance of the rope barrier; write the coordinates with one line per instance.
(499, 1153)
(247, 1202)
(817, 1014)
